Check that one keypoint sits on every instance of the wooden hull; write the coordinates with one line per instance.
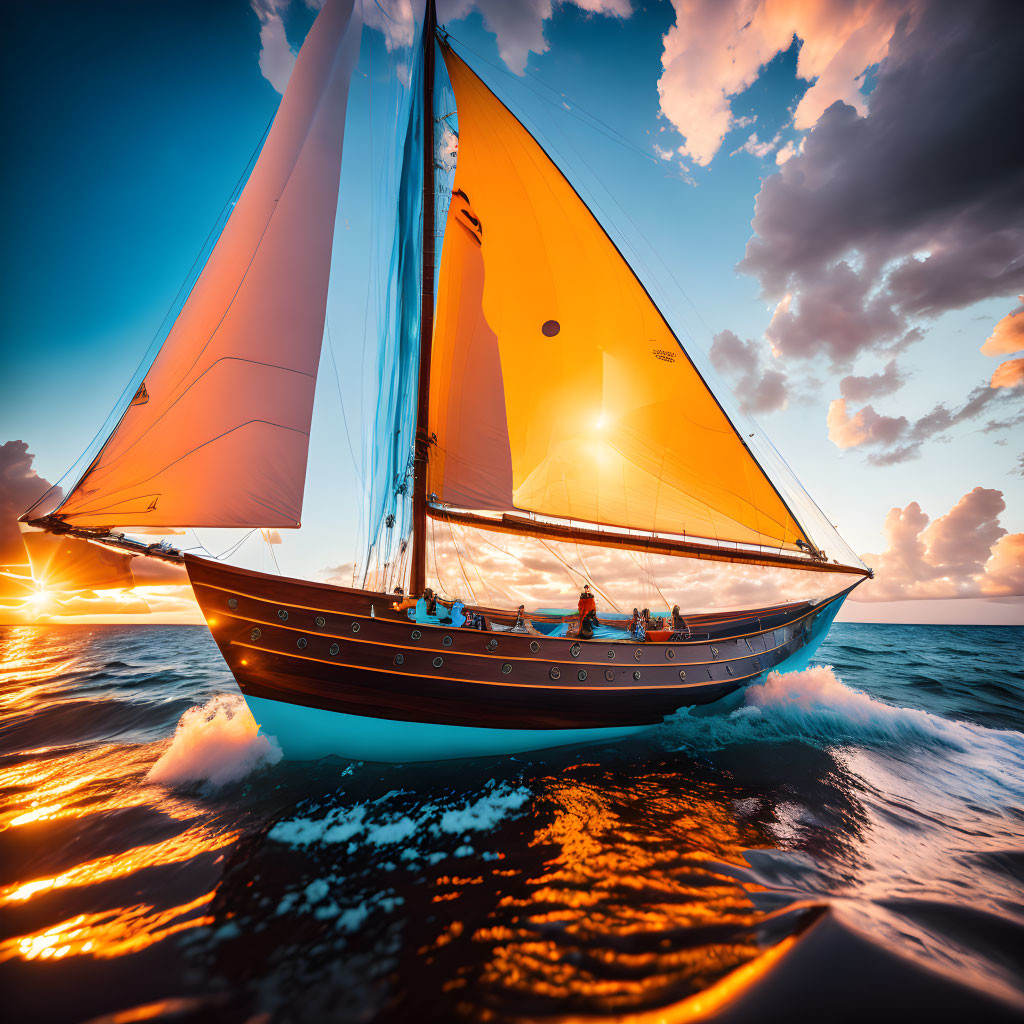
(332, 666)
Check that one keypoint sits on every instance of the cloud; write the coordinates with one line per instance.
(1009, 374)
(861, 389)
(902, 439)
(759, 388)
(965, 553)
(277, 58)
(1008, 335)
(20, 486)
(910, 211)
(717, 49)
(518, 25)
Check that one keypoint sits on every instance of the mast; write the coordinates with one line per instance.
(418, 574)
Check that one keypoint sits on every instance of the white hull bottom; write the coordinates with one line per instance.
(307, 734)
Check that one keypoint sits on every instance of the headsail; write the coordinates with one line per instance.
(218, 432)
(545, 331)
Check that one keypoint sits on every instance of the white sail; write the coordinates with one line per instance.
(217, 434)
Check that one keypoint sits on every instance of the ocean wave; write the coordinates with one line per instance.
(814, 706)
(215, 743)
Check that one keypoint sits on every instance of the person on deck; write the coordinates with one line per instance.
(677, 618)
(586, 604)
(634, 622)
(520, 623)
(589, 625)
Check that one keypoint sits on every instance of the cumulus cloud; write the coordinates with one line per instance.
(862, 389)
(20, 486)
(965, 553)
(518, 25)
(759, 387)
(900, 439)
(1008, 335)
(1009, 374)
(916, 208)
(277, 58)
(717, 49)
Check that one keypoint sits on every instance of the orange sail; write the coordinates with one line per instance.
(217, 434)
(545, 330)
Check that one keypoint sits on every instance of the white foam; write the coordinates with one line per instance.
(216, 743)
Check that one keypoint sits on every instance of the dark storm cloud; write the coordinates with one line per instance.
(914, 210)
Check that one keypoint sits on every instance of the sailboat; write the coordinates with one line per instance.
(553, 404)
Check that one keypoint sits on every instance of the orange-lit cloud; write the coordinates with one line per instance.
(717, 49)
(965, 553)
(1008, 335)
(1009, 374)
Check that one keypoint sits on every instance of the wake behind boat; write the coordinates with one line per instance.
(544, 402)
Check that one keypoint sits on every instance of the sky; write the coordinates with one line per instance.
(826, 200)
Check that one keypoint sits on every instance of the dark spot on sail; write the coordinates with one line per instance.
(550, 328)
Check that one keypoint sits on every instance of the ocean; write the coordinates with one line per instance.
(843, 843)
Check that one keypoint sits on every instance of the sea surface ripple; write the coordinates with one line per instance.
(841, 842)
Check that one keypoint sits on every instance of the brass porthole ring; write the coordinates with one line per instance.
(438, 662)
(232, 603)
(320, 622)
(416, 634)
(506, 669)
(669, 653)
(575, 650)
(282, 614)
(714, 653)
(447, 641)
(582, 675)
(636, 674)
(255, 635)
(355, 627)
(534, 646)
(555, 672)
(334, 648)
(682, 674)
(399, 659)
(301, 643)
(611, 654)
(492, 644)
(609, 675)
(637, 654)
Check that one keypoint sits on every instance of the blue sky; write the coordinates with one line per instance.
(129, 125)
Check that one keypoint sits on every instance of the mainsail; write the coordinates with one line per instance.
(217, 434)
(540, 319)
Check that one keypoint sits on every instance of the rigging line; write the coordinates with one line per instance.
(341, 401)
(228, 552)
(462, 567)
(270, 548)
(181, 294)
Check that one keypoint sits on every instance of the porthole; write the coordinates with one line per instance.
(555, 672)
(714, 653)
(582, 675)
(438, 662)
(492, 644)
(534, 646)
(416, 634)
(334, 648)
(320, 622)
(636, 674)
(399, 659)
(575, 650)
(670, 653)
(682, 675)
(711, 675)
(232, 603)
(611, 654)
(301, 643)
(728, 668)
(447, 641)
(255, 635)
(282, 614)
(609, 675)
(637, 654)
(355, 627)
(506, 669)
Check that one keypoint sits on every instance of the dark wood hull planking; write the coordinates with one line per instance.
(339, 649)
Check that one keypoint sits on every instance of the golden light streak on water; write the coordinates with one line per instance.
(176, 850)
(109, 933)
